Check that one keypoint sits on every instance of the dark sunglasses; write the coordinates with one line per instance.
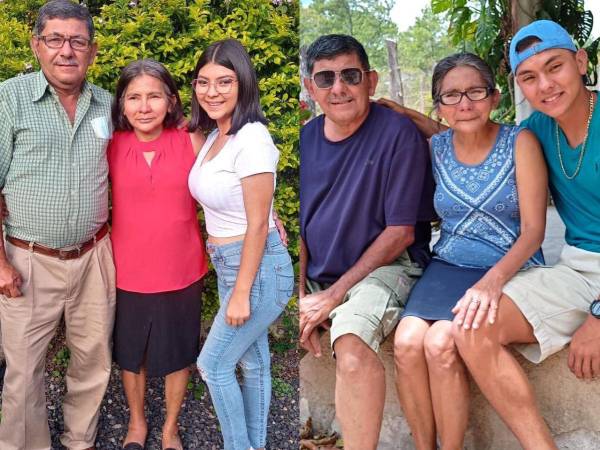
(325, 79)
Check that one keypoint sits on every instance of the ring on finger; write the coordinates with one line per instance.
(475, 300)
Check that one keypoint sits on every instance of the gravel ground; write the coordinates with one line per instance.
(199, 428)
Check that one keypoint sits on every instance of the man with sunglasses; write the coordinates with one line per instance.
(57, 259)
(365, 206)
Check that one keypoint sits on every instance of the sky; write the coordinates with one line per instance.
(405, 12)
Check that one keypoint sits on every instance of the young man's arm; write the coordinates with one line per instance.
(584, 350)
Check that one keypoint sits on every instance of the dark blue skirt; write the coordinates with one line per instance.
(438, 290)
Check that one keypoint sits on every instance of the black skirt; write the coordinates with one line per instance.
(160, 331)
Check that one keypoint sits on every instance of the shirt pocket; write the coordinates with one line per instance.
(102, 127)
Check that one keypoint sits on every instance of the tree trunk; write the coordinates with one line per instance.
(422, 93)
(396, 89)
(304, 95)
(523, 13)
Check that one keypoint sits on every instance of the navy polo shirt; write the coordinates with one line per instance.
(352, 189)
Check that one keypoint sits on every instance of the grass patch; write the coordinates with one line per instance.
(198, 389)
(61, 361)
(284, 332)
(281, 388)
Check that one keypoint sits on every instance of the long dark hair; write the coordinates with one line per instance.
(231, 54)
(153, 69)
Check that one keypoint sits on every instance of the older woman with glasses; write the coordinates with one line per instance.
(491, 198)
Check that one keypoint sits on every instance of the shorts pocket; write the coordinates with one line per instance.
(374, 305)
(284, 277)
(396, 279)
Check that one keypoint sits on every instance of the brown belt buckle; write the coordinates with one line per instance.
(69, 254)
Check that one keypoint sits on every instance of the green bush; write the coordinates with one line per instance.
(175, 32)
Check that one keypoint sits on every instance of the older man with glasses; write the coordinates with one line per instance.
(365, 206)
(57, 261)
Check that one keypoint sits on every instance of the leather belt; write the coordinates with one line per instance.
(73, 253)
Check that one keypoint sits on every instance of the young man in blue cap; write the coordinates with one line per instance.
(543, 309)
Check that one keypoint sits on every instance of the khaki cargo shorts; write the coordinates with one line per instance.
(372, 308)
(556, 300)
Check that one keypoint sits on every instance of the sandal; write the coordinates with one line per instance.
(133, 446)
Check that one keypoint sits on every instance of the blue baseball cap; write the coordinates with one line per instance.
(550, 34)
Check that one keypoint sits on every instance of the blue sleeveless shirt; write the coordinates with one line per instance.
(478, 204)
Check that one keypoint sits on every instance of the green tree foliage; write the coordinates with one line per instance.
(367, 20)
(579, 23)
(419, 49)
(16, 21)
(175, 32)
(485, 28)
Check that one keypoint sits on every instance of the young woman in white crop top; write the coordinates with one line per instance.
(216, 182)
(234, 180)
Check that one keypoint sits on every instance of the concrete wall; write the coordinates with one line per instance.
(570, 406)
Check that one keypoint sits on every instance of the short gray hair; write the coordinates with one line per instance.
(459, 60)
(63, 9)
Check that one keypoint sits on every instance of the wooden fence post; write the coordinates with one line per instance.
(396, 88)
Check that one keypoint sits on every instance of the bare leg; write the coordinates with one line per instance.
(134, 386)
(359, 392)
(412, 380)
(499, 375)
(449, 385)
(175, 389)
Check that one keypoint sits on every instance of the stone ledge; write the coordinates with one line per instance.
(570, 406)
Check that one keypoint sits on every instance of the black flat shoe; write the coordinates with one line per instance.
(133, 446)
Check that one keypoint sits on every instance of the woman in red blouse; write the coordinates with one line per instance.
(158, 250)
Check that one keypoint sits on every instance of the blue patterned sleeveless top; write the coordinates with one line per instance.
(478, 204)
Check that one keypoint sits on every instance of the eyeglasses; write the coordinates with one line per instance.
(57, 41)
(474, 94)
(325, 79)
(222, 85)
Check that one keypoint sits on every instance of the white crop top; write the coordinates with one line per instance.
(216, 184)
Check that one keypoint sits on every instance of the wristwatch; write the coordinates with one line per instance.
(595, 309)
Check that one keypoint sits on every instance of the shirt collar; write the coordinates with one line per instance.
(41, 86)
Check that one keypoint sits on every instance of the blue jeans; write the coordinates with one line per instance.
(243, 411)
